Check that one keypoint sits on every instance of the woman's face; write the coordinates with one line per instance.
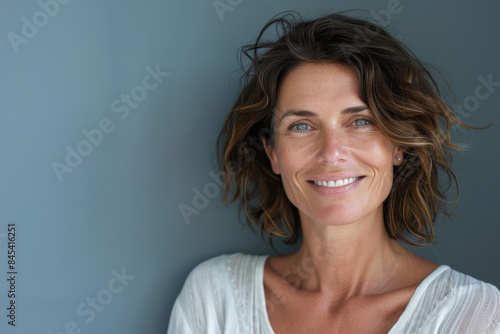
(335, 164)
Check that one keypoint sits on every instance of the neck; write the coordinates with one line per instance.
(348, 260)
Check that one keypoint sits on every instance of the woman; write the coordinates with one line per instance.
(336, 139)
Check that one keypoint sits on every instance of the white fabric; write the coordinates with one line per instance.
(226, 295)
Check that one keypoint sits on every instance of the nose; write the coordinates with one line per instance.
(333, 147)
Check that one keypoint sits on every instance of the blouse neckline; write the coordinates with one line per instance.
(403, 319)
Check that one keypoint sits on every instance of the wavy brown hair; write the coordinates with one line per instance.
(401, 92)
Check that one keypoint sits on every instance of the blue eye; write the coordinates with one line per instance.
(362, 122)
(300, 127)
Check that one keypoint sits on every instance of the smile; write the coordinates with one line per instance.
(337, 183)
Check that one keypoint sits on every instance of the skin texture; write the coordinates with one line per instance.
(348, 275)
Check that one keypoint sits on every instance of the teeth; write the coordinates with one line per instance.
(338, 183)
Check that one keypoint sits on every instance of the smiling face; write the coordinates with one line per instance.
(335, 164)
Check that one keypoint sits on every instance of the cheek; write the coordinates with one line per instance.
(291, 163)
(378, 156)
(295, 157)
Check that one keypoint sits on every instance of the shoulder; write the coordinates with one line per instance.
(458, 286)
(213, 291)
(224, 267)
(223, 277)
(461, 302)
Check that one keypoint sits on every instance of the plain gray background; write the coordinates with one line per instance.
(66, 67)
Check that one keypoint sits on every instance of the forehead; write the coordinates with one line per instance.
(318, 86)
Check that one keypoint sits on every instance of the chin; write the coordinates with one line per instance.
(333, 216)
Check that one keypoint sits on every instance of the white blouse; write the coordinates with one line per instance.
(226, 295)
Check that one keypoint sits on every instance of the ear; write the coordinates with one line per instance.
(397, 157)
(271, 154)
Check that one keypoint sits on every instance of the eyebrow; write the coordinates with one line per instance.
(293, 112)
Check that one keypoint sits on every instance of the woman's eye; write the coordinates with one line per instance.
(362, 122)
(300, 127)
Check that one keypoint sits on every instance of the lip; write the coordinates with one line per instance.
(336, 176)
(337, 191)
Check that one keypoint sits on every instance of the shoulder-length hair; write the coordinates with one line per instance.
(399, 90)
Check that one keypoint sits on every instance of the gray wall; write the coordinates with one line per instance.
(81, 222)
